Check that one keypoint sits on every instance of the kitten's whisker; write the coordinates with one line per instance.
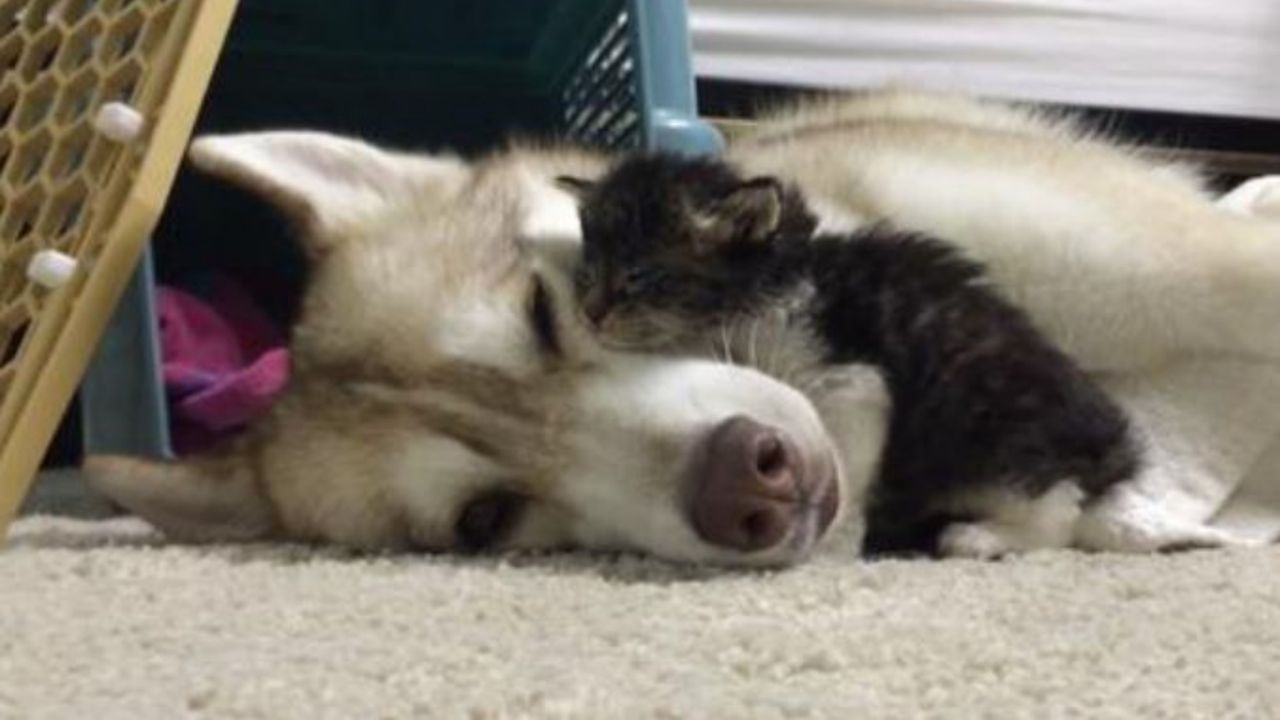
(813, 383)
(752, 336)
(724, 339)
(775, 343)
(717, 354)
(790, 373)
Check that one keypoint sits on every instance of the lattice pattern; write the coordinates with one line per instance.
(60, 60)
(66, 188)
(600, 104)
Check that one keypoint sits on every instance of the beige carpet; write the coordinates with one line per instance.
(99, 620)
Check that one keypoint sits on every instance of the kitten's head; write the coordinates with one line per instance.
(673, 246)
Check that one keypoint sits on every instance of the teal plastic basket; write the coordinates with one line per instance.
(458, 73)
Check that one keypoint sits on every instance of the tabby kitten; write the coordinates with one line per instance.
(995, 437)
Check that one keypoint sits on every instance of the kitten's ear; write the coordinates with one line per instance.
(750, 213)
(575, 186)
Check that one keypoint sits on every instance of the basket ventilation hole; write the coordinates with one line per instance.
(14, 343)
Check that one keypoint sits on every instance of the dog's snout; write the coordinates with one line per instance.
(747, 486)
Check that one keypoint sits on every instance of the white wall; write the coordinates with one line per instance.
(1200, 56)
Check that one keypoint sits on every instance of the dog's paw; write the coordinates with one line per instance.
(1103, 533)
(1127, 521)
(974, 540)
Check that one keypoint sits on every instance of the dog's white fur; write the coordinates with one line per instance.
(421, 272)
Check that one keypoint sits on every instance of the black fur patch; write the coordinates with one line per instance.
(979, 396)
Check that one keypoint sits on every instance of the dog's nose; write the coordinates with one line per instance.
(746, 486)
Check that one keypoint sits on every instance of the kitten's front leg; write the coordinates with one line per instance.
(1259, 197)
(1014, 522)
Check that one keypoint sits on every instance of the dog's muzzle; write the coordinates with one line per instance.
(751, 488)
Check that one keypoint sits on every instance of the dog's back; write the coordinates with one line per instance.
(1122, 261)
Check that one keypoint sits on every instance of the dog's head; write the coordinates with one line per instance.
(446, 392)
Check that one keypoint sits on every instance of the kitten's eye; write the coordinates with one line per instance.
(637, 278)
(543, 318)
(584, 276)
(487, 519)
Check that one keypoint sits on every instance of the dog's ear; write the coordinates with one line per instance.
(326, 182)
(199, 500)
(575, 186)
(750, 213)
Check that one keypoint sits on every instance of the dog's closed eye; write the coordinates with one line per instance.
(487, 519)
(542, 317)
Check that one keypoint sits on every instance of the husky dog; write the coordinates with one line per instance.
(674, 249)
(445, 396)
(448, 393)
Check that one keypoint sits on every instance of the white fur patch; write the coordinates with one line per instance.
(1259, 196)
(834, 218)
(1016, 523)
(642, 420)
(494, 335)
(551, 213)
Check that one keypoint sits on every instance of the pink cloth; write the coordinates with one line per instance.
(224, 362)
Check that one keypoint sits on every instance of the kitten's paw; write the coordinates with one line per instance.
(974, 540)
(1259, 196)
(1014, 523)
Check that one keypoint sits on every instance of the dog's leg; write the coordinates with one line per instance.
(1127, 520)
(1203, 426)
